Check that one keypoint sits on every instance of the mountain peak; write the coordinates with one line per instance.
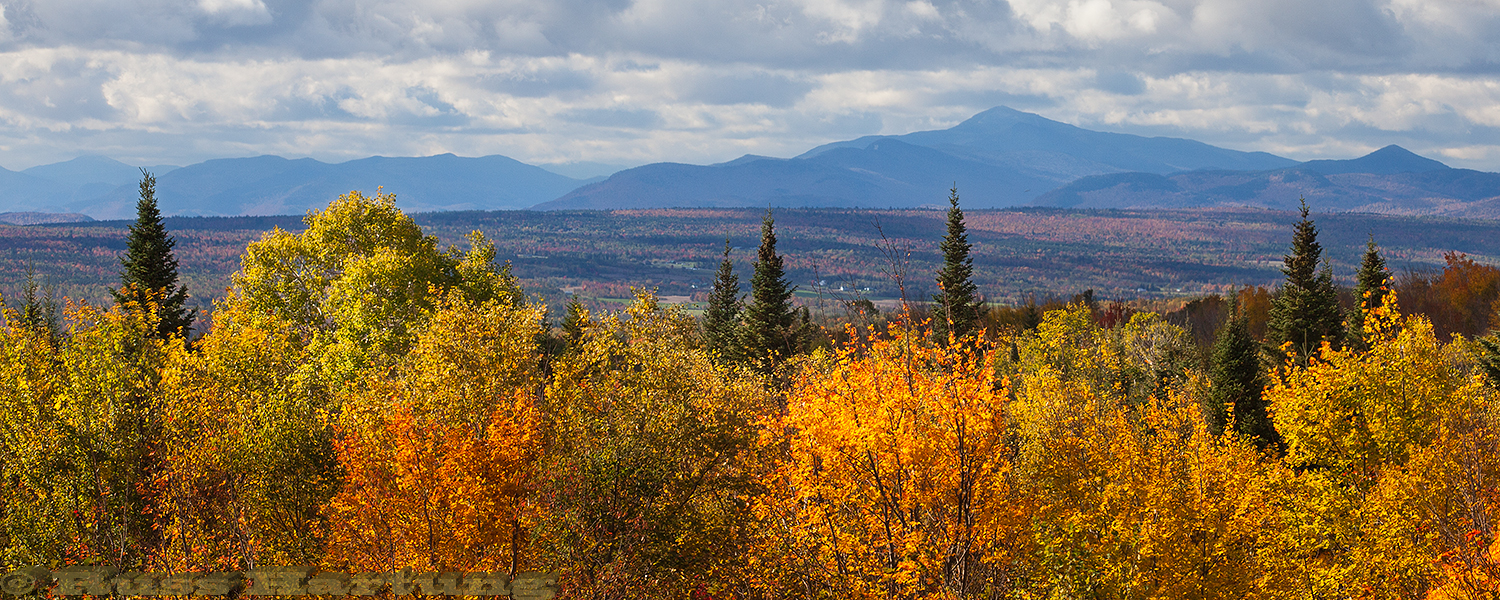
(1003, 116)
(1389, 160)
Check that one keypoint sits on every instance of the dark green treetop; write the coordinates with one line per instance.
(1306, 311)
(772, 329)
(150, 269)
(1369, 290)
(574, 323)
(955, 307)
(1238, 383)
(721, 320)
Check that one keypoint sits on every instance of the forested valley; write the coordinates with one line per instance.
(364, 400)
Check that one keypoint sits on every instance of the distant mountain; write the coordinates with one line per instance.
(1006, 136)
(886, 173)
(1391, 180)
(88, 177)
(1000, 157)
(39, 218)
(1389, 160)
(271, 185)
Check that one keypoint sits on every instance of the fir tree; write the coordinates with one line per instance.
(1369, 291)
(955, 307)
(1306, 311)
(1238, 383)
(150, 269)
(722, 318)
(573, 324)
(40, 312)
(772, 329)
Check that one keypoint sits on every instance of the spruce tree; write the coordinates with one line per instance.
(1238, 383)
(573, 324)
(40, 312)
(772, 329)
(1306, 310)
(955, 307)
(150, 269)
(722, 318)
(1369, 291)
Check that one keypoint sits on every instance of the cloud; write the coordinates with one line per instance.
(632, 81)
(236, 12)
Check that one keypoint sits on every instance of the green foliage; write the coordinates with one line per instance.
(40, 312)
(575, 322)
(1306, 311)
(150, 275)
(648, 475)
(721, 320)
(956, 307)
(773, 329)
(360, 280)
(1238, 383)
(80, 433)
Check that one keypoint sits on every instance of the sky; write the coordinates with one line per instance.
(629, 82)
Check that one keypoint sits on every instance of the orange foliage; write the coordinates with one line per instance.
(434, 496)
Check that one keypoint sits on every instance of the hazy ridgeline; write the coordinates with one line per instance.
(369, 399)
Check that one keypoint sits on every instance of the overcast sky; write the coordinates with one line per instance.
(628, 82)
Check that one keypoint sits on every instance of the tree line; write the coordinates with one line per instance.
(364, 400)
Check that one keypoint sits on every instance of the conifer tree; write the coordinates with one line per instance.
(574, 322)
(40, 313)
(150, 269)
(1369, 290)
(772, 329)
(955, 307)
(722, 318)
(1238, 384)
(1306, 311)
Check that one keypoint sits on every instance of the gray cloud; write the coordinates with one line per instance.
(632, 81)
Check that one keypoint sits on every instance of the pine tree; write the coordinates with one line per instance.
(1369, 290)
(955, 307)
(722, 318)
(1238, 384)
(1306, 311)
(150, 274)
(772, 329)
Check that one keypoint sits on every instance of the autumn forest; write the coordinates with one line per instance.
(366, 400)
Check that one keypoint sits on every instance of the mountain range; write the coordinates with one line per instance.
(999, 158)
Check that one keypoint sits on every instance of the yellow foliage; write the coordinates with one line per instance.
(440, 451)
(896, 477)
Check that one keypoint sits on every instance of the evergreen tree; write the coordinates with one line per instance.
(40, 312)
(1306, 310)
(150, 273)
(722, 318)
(772, 329)
(956, 303)
(1238, 383)
(1369, 290)
(574, 322)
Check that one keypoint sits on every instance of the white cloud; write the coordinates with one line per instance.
(630, 81)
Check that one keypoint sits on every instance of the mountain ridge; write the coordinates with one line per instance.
(998, 158)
